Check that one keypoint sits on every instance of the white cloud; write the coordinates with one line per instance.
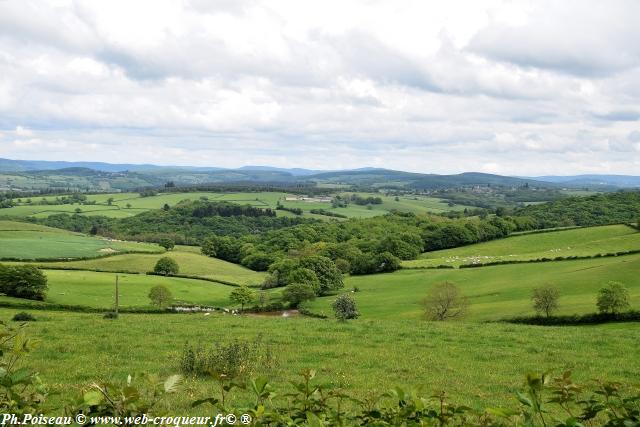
(502, 86)
(21, 131)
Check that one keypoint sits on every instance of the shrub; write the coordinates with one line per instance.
(235, 359)
(344, 308)
(386, 262)
(160, 296)
(167, 243)
(21, 390)
(24, 281)
(545, 299)
(444, 302)
(166, 266)
(258, 261)
(613, 298)
(343, 265)
(297, 293)
(23, 316)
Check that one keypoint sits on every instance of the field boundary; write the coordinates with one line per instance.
(148, 273)
(13, 259)
(576, 319)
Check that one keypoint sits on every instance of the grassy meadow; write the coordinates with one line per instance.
(494, 292)
(564, 243)
(30, 241)
(130, 204)
(189, 259)
(478, 364)
(96, 289)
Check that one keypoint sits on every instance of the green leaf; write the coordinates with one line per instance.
(524, 399)
(210, 400)
(20, 376)
(93, 398)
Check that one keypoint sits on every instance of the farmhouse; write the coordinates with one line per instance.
(317, 199)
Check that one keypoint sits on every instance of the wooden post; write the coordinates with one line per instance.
(117, 295)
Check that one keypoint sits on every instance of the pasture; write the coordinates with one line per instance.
(96, 290)
(494, 292)
(119, 205)
(32, 242)
(189, 259)
(564, 243)
(477, 364)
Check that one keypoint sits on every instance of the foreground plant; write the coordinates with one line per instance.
(545, 401)
(21, 390)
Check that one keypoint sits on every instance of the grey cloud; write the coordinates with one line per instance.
(620, 116)
(588, 39)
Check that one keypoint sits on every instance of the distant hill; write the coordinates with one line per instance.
(385, 177)
(98, 176)
(8, 165)
(623, 181)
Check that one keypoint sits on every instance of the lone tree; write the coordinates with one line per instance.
(613, 298)
(160, 296)
(344, 308)
(242, 295)
(166, 266)
(167, 244)
(297, 293)
(545, 299)
(444, 302)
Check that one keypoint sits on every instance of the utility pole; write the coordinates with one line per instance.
(117, 295)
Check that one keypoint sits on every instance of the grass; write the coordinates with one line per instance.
(494, 292)
(92, 289)
(189, 259)
(478, 364)
(29, 241)
(576, 242)
(130, 204)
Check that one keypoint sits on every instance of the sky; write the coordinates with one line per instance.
(508, 87)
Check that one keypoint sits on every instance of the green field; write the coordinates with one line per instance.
(477, 364)
(190, 261)
(576, 242)
(129, 204)
(30, 241)
(92, 289)
(494, 292)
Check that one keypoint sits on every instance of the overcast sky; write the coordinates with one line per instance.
(509, 87)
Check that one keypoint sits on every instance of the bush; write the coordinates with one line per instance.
(167, 243)
(166, 266)
(613, 298)
(575, 319)
(297, 293)
(258, 261)
(444, 302)
(344, 308)
(110, 315)
(235, 359)
(160, 296)
(24, 281)
(23, 316)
